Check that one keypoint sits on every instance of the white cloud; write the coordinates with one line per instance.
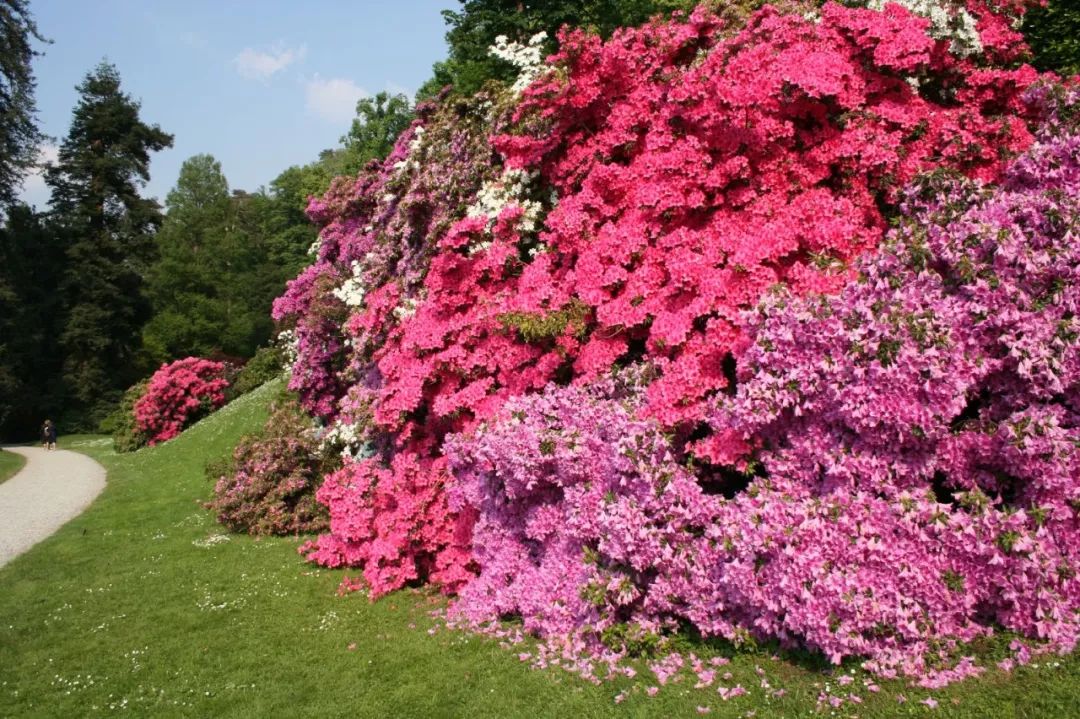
(34, 191)
(256, 65)
(334, 99)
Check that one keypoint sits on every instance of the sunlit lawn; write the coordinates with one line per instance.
(10, 463)
(143, 606)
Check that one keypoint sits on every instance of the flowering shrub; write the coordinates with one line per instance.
(178, 394)
(588, 529)
(643, 194)
(269, 485)
(921, 429)
(693, 173)
(919, 438)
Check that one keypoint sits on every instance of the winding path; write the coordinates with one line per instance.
(51, 489)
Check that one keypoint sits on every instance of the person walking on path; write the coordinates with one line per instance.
(48, 435)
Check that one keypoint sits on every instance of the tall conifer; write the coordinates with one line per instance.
(108, 229)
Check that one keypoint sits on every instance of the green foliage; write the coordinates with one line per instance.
(536, 328)
(31, 265)
(1054, 35)
(208, 286)
(378, 122)
(120, 423)
(266, 365)
(107, 229)
(19, 135)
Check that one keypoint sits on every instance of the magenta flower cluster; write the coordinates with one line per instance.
(936, 401)
(588, 528)
(178, 394)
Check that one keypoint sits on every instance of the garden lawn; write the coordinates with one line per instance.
(143, 604)
(10, 464)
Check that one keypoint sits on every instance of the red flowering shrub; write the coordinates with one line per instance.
(178, 394)
(269, 485)
(398, 527)
(693, 174)
(651, 188)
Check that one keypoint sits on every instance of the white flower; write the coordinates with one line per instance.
(411, 160)
(408, 307)
(345, 435)
(511, 188)
(290, 348)
(528, 59)
(352, 291)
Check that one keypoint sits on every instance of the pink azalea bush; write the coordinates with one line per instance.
(695, 172)
(268, 486)
(634, 202)
(917, 436)
(178, 394)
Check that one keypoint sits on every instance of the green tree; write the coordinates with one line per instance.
(19, 135)
(1054, 35)
(108, 231)
(31, 265)
(378, 122)
(223, 259)
(283, 217)
(183, 283)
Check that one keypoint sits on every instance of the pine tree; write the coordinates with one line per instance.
(108, 230)
(19, 135)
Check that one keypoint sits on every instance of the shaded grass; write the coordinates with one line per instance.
(130, 607)
(10, 464)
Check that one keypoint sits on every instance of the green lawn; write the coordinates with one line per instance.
(135, 607)
(10, 463)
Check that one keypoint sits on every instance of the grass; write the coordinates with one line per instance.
(10, 464)
(135, 607)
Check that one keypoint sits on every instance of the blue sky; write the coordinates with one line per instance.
(259, 85)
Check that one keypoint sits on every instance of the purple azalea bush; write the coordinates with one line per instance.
(911, 450)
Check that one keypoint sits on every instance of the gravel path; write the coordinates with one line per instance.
(51, 489)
